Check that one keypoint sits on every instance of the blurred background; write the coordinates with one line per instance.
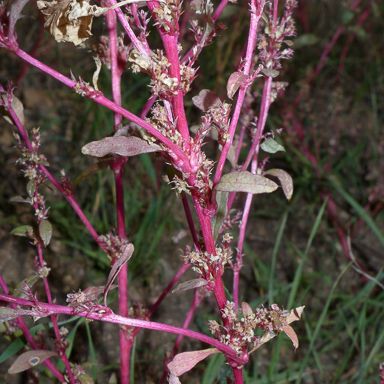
(324, 249)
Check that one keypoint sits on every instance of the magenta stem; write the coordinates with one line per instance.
(125, 340)
(105, 315)
(98, 98)
(252, 37)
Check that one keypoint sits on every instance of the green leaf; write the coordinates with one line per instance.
(221, 200)
(271, 146)
(23, 230)
(306, 40)
(245, 181)
(12, 349)
(45, 231)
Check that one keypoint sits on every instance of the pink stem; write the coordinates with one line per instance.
(220, 8)
(252, 37)
(28, 336)
(98, 98)
(105, 315)
(118, 168)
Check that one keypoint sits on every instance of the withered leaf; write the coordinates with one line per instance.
(185, 361)
(190, 284)
(30, 359)
(126, 254)
(69, 20)
(244, 181)
(234, 83)
(285, 181)
(205, 99)
(119, 145)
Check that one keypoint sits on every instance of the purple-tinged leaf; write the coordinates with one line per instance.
(205, 99)
(290, 332)
(246, 309)
(126, 254)
(185, 361)
(285, 181)
(29, 360)
(15, 14)
(173, 379)
(7, 314)
(119, 145)
(244, 181)
(270, 72)
(234, 83)
(45, 231)
(190, 284)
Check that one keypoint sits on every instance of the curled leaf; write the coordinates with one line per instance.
(30, 359)
(244, 181)
(285, 181)
(234, 83)
(185, 361)
(119, 145)
(16, 105)
(205, 99)
(190, 284)
(126, 254)
(290, 332)
(45, 231)
(95, 77)
(271, 146)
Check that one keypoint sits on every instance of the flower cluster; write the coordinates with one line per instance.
(273, 45)
(113, 245)
(166, 14)
(208, 265)
(239, 330)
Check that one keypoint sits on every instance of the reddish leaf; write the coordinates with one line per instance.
(285, 181)
(234, 83)
(205, 99)
(290, 332)
(185, 361)
(116, 268)
(29, 360)
(119, 145)
(190, 284)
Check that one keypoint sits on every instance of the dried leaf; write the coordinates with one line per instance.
(271, 146)
(190, 284)
(45, 231)
(205, 99)
(119, 145)
(290, 332)
(244, 181)
(29, 360)
(23, 230)
(69, 20)
(234, 83)
(19, 199)
(295, 314)
(285, 181)
(7, 314)
(116, 268)
(185, 361)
